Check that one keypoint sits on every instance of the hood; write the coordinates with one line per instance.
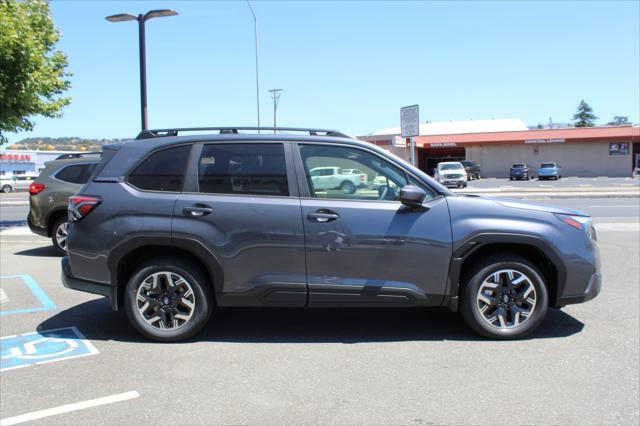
(452, 172)
(523, 205)
(517, 204)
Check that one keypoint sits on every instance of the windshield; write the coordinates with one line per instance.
(548, 165)
(518, 166)
(450, 166)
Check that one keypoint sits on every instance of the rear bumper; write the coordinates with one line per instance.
(591, 291)
(69, 281)
(38, 230)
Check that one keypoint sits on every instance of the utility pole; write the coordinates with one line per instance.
(275, 95)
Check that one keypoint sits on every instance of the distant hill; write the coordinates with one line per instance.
(62, 144)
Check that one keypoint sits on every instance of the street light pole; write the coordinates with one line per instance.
(275, 94)
(143, 72)
(255, 31)
(121, 17)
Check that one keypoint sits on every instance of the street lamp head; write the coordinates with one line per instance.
(121, 17)
(159, 13)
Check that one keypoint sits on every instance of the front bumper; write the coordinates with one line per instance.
(69, 281)
(591, 291)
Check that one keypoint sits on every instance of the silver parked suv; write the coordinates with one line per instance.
(170, 226)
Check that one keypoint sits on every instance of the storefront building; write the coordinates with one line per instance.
(583, 152)
(16, 162)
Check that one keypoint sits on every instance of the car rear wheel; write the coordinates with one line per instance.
(348, 187)
(7, 188)
(59, 232)
(168, 299)
(504, 298)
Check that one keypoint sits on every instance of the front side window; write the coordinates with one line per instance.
(354, 174)
(76, 173)
(243, 168)
(162, 171)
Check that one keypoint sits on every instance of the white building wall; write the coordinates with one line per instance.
(576, 159)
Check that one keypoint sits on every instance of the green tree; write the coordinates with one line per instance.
(584, 116)
(619, 120)
(32, 71)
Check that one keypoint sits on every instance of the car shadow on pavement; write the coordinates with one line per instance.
(97, 321)
(44, 251)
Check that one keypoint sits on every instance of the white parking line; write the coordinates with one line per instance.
(3, 297)
(69, 408)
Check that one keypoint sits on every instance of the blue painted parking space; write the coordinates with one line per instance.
(43, 347)
(42, 301)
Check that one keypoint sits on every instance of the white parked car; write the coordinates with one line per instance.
(16, 183)
(451, 173)
(337, 178)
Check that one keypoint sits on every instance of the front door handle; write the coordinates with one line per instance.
(322, 216)
(197, 210)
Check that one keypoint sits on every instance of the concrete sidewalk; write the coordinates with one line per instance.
(565, 192)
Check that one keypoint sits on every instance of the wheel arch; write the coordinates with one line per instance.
(125, 258)
(52, 217)
(532, 248)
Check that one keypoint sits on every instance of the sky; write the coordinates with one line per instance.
(345, 65)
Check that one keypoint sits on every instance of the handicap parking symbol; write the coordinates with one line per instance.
(23, 289)
(43, 347)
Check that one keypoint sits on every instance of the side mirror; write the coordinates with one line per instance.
(412, 196)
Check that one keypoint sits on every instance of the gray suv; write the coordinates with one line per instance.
(170, 226)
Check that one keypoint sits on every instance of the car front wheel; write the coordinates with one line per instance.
(7, 188)
(504, 298)
(168, 299)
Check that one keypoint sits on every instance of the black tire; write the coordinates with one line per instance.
(510, 178)
(196, 278)
(464, 185)
(347, 187)
(469, 305)
(7, 188)
(59, 241)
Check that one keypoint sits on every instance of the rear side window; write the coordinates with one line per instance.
(162, 170)
(76, 173)
(250, 169)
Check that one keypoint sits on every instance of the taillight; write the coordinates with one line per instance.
(81, 205)
(362, 178)
(35, 188)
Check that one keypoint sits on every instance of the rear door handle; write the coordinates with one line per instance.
(197, 210)
(322, 216)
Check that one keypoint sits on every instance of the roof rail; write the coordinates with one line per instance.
(156, 133)
(77, 155)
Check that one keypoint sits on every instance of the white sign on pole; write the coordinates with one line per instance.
(410, 121)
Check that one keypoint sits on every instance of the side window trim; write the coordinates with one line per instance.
(305, 191)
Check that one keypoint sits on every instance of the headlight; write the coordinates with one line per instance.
(583, 223)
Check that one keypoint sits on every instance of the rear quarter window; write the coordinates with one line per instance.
(162, 170)
(76, 173)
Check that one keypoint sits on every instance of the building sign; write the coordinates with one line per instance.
(442, 145)
(410, 121)
(536, 141)
(621, 148)
(15, 158)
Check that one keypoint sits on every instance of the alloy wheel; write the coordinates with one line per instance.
(61, 235)
(165, 300)
(506, 299)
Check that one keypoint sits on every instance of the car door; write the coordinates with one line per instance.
(241, 202)
(366, 248)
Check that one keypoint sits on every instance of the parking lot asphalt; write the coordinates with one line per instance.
(339, 366)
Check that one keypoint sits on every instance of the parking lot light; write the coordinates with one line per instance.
(122, 17)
